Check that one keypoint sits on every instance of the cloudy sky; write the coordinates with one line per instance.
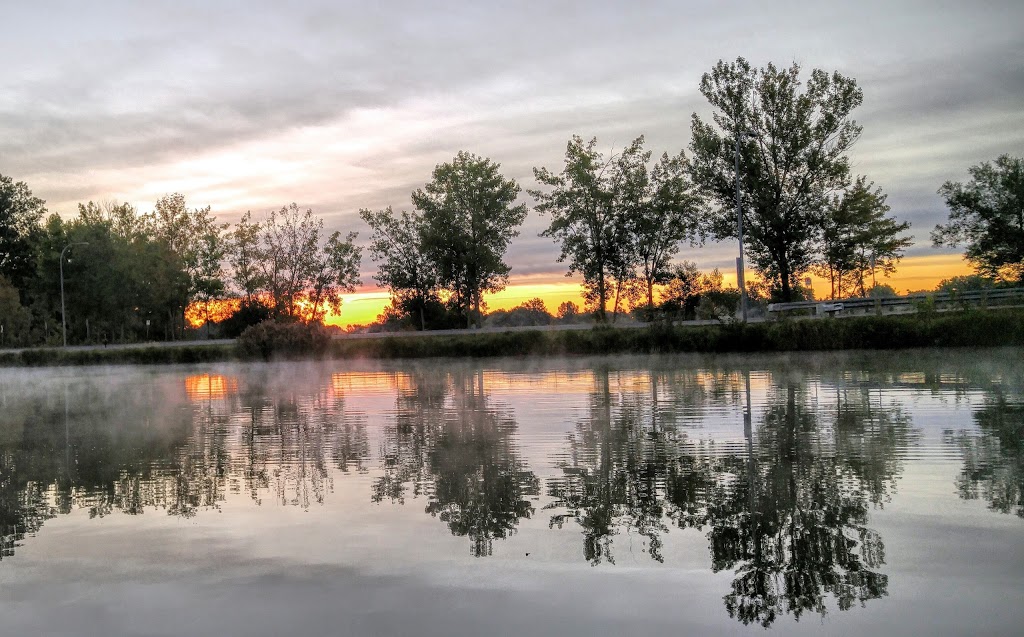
(344, 105)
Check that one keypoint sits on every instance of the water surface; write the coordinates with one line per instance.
(800, 494)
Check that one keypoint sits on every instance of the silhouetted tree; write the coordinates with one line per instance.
(793, 157)
(987, 216)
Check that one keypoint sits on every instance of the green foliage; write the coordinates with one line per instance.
(987, 215)
(198, 242)
(858, 240)
(619, 223)
(14, 317)
(409, 313)
(968, 283)
(403, 266)
(20, 214)
(661, 210)
(793, 157)
(588, 215)
(117, 275)
(276, 339)
(468, 220)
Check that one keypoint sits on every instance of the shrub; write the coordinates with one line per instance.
(272, 339)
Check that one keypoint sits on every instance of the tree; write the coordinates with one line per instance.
(304, 279)
(568, 312)
(987, 215)
(245, 255)
(663, 215)
(14, 318)
(792, 156)
(469, 219)
(336, 270)
(20, 216)
(858, 239)
(587, 217)
(198, 241)
(532, 312)
(402, 263)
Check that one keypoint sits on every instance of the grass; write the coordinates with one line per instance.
(974, 328)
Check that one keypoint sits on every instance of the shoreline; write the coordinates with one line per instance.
(976, 328)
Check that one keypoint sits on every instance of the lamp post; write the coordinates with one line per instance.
(739, 227)
(63, 320)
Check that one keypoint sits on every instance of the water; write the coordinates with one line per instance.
(802, 494)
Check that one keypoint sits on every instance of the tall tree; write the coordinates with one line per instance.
(402, 263)
(20, 217)
(303, 279)
(469, 219)
(858, 239)
(666, 213)
(245, 255)
(987, 215)
(793, 147)
(198, 241)
(588, 217)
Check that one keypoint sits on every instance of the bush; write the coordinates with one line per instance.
(272, 339)
(247, 315)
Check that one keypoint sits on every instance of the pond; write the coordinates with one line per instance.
(838, 493)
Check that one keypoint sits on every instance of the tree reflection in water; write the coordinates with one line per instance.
(129, 446)
(451, 446)
(789, 518)
(994, 455)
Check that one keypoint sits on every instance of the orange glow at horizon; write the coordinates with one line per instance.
(912, 274)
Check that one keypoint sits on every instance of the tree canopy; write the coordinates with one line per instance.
(20, 217)
(858, 239)
(469, 219)
(987, 216)
(793, 140)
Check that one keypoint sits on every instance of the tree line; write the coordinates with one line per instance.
(771, 159)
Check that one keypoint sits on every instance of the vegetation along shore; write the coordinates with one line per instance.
(992, 328)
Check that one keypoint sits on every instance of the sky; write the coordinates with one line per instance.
(339, 106)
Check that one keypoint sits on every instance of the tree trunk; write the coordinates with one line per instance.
(787, 289)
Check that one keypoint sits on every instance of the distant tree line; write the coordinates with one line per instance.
(775, 147)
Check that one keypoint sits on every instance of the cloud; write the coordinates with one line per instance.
(339, 107)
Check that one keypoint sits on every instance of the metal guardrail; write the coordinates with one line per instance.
(997, 297)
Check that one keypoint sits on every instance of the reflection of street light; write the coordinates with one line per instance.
(739, 227)
(63, 320)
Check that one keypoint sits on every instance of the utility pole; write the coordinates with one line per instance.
(740, 134)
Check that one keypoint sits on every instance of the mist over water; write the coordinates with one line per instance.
(831, 492)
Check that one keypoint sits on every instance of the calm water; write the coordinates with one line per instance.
(838, 494)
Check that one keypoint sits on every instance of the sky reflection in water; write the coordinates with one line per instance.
(581, 496)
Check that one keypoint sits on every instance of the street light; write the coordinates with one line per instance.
(63, 320)
(739, 227)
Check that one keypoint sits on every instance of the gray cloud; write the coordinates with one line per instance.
(114, 98)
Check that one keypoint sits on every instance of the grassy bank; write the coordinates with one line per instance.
(960, 329)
